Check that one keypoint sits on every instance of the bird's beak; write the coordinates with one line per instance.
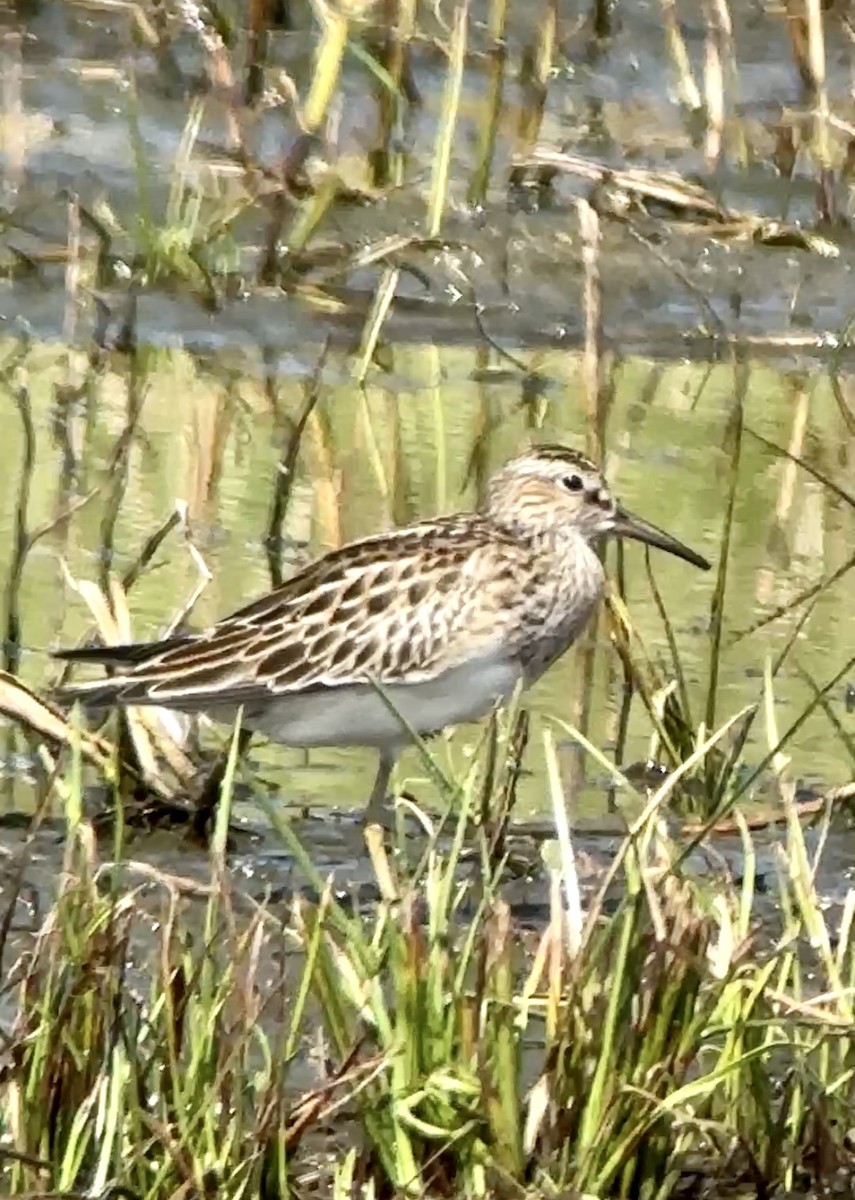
(626, 524)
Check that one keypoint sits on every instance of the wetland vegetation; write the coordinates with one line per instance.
(274, 276)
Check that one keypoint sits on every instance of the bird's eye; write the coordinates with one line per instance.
(573, 483)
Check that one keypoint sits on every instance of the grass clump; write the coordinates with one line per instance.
(138, 1059)
(645, 1042)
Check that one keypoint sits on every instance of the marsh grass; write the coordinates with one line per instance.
(160, 1028)
(189, 242)
(730, 772)
(197, 229)
(178, 1037)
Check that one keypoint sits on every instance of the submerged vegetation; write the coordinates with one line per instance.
(369, 181)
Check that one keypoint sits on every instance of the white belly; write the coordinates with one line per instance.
(358, 716)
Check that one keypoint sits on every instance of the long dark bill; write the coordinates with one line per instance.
(627, 525)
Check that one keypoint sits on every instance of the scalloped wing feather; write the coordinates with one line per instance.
(400, 607)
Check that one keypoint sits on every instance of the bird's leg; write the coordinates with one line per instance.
(377, 808)
(208, 797)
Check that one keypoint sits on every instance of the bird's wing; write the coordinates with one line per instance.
(399, 607)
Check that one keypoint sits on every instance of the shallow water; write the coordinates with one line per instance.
(399, 450)
(218, 388)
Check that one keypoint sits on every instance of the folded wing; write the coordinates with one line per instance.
(395, 608)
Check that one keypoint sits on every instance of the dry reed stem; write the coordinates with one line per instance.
(22, 542)
(721, 84)
(72, 271)
(326, 478)
(492, 104)
(666, 187)
(438, 197)
(816, 63)
(842, 795)
(381, 303)
(798, 431)
(327, 67)
(49, 723)
(589, 226)
(713, 90)
(534, 75)
(592, 307)
(687, 88)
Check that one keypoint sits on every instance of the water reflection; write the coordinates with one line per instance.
(211, 433)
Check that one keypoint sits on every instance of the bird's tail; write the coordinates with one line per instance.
(130, 655)
(122, 686)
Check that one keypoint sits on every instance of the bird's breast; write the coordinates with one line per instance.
(562, 600)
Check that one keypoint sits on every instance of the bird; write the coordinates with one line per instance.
(419, 628)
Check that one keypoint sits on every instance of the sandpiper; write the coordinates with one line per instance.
(436, 621)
